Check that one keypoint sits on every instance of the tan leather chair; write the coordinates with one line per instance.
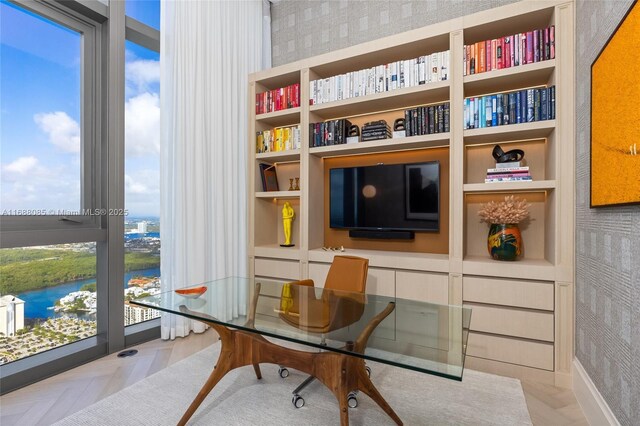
(331, 311)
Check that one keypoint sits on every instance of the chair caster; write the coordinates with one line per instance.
(284, 373)
(366, 367)
(352, 401)
(297, 401)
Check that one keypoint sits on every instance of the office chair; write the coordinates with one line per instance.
(331, 311)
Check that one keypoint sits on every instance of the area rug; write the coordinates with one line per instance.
(240, 399)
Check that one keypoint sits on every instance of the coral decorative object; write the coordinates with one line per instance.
(192, 293)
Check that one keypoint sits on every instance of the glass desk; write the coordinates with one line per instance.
(348, 328)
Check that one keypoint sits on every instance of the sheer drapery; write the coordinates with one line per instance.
(207, 50)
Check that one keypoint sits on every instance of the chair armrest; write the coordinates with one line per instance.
(344, 310)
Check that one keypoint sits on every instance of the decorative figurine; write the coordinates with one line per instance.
(291, 188)
(297, 187)
(287, 220)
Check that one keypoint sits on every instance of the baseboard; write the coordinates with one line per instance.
(593, 405)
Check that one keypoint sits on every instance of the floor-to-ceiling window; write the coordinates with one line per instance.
(65, 198)
(142, 179)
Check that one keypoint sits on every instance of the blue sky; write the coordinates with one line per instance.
(40, 108)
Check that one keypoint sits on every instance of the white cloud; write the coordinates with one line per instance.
(134, 187)
(62, 130)
(142, 72)
(142, 125)
(21, 165)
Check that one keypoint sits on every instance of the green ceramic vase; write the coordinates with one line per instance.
(505, 241)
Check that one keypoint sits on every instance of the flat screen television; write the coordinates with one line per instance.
(386, 197)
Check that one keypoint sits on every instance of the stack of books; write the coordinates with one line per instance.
(522, 106)
(332, 132)
(508, 172)
(382, 78)
(375, 130)
(278, 99)
(510, 51)
(426, 120)
(278, 139)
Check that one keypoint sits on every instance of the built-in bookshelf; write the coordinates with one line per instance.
(454, 262)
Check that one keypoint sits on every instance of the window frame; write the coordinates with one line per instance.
(90, 114)
(104, 30)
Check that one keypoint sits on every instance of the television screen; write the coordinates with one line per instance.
(386, 197)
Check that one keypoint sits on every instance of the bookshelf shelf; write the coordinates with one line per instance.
(536, 74)
(510, 186)
(453, 262)
(275, 251)
(280, 118)
(279, 156)
(394, 99)
(384, 145)
(279, 195)
(534, 130)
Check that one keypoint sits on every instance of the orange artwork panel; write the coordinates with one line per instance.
(615, 117)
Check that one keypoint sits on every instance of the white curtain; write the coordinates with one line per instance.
(207, 50)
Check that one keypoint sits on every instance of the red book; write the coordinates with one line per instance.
(552, 42)
(487, 51)
(506, 52)
(530, 47)
(499, 53)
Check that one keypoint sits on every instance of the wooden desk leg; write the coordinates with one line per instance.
(339, 372)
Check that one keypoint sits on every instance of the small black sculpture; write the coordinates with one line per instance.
(507, 157)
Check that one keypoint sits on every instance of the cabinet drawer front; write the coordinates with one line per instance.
(424, 287)
(512, 322)
(514, 351)
(508, 292)
(381, 282)
(285, 269)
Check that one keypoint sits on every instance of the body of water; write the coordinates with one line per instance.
(37, 302)
(135, 235)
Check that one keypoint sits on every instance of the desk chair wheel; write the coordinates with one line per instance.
(352, 401)
(284, 373)
(297, 401)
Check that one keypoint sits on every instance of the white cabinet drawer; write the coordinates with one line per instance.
(509, 292)
(381, 282)
(284, 269)
(423, 286)
(512, 322)
(514, 351)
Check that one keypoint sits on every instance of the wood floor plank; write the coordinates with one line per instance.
(56, 397)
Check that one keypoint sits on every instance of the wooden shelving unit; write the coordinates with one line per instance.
(461, 272)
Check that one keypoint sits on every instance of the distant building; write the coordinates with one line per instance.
(11, 315)
(142, 227)
(135, 314)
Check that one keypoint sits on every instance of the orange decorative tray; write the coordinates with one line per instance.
(192, 292)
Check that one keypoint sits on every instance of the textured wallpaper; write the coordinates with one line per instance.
(304, 28)
(607, 245)
(607, 239)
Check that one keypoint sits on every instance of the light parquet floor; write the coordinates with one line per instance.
(52, 399)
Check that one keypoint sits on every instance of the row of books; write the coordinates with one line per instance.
(278, 139)
(508, 172)
(521, 106)
(278, 99)
(332, 132)
(381, 78)
(427, 120)
(510, 51)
